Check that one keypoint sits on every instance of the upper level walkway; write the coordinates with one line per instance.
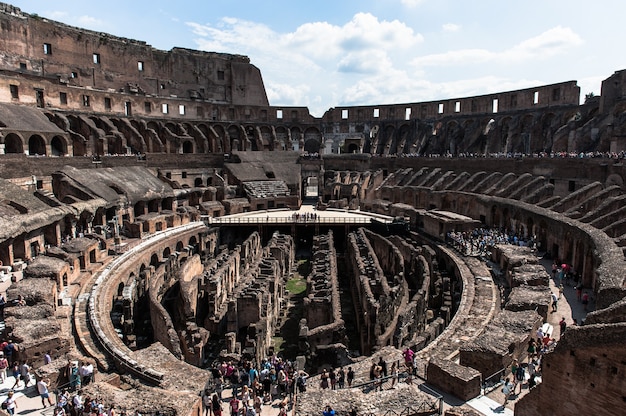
(306, 215)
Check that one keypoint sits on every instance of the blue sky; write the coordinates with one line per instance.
(324, 54)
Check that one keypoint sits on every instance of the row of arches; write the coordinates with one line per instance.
(35, 144)
(100, 135)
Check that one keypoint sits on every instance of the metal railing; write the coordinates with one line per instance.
(287, 220)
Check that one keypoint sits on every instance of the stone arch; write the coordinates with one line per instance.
(13, 143)
(297, 138)
(120, 289)
(312, 146)
(36, 145)
(282, 136)
(154, 260)
(236, 143)
(387, 139)
(58, 146)
(179, 246)
(188, 146)
(197, 182)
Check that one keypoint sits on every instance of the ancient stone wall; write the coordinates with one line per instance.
(586, 371)
(323, 324)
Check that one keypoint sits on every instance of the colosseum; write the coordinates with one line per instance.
(161, 222)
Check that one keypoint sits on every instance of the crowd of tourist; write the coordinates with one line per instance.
(479, 241)
(520, 155)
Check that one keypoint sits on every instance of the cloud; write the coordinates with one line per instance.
(57, 15)
(89, 22)
(451, 27)
(549, 43)
(411, 3)
(321, 55)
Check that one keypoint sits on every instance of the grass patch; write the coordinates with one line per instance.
(296, 285)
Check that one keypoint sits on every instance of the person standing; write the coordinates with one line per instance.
(394, 375)
(25, 373)
(42, 388)
(207, 401)
(507, 389)
(216, 406)
(341, 377)
(10, 403)
(350, 376)
(555, 301)
(562, 325)
(4, 364)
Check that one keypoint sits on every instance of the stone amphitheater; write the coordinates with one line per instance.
(156, 229)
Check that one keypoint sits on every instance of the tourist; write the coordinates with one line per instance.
(383, 366)
(8, 350)
(562, 325)
(555, 301)
(408, 359)
(25, 373)
(301, 381)
(579, 291)
(245, 395)
(328, 411)
(520, 378)
(333, 379)
(258, 405)
(341, 377)
(234, 406)
(10, 404)
(42, 388)
(532, 348)
(4, 364)
(216, 405)
(78, 402)
(507, 389)
(585, 300)
(15, 371)
(350, 376)
(206, 401)
(324, 379)
(394, 375)
(86, 373)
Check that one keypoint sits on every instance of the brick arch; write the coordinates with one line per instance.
(58, 146)
(37, 145)
(13, 143)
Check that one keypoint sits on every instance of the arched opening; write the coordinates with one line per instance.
(179, 246)
(166, 253)
(197, 182)
(188, 147)
(120, 289)
(154, 261)
(58, 147)
(13, 144)
(36, 145)
(312, 146)
(352, 148)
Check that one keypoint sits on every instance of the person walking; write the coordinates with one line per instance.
(42, 388)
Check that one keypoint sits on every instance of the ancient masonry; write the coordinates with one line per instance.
(115, 157)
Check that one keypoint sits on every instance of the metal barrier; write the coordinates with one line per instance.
(286, 220)
(492, 382)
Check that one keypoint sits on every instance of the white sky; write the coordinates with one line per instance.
(323, 54)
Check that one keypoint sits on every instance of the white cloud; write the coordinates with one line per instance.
(451, 27)
(549, 43)
(319, 54)
(89, 22)
(411, 3)
(57, 15)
